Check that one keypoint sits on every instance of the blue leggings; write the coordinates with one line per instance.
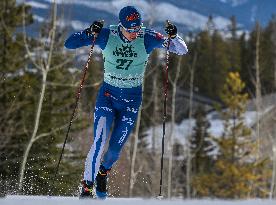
(118, 105)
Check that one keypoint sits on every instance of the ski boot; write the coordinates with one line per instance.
(86, 189)
(101, 182)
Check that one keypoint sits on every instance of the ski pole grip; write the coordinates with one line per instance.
(172, 26)
(102, 22)
(167, 23)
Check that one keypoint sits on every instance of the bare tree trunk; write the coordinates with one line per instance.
(258, 102)
(258, 88)
(272, 193)
(273, 180)
(153, 148)
(156, 103)
(36, 124)
(171, 136)
(155, 137)
(133, 174)
(44, 68)
(188, 150)
(273, 39)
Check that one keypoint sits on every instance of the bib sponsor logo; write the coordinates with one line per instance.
(125, 51)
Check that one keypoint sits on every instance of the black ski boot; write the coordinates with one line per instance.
(101, 182)
(86, 189)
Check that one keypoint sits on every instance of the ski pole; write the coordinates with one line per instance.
(74, 111)
(165, 86)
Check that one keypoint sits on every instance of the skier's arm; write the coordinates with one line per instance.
(83, 38)
(177, 45)
(154, 40)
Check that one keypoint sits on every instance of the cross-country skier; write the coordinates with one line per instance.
(126, 48)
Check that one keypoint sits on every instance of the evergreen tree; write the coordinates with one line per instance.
(234, 48)
(212, 62)
(21, 81)
(201, 144)
(56, 111)
(267, 57)
(245, 56)
(12, 61)
(202, 46)
(201, 147)
(57, 107)
(234, 171)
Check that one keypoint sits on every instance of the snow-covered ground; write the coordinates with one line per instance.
(45, 200)
(181, 131)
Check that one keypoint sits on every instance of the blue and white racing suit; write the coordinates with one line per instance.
(120, 95)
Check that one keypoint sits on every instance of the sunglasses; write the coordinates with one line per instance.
(132, 30)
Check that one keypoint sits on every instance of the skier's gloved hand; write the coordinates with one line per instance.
(171, 29)
(95, 28)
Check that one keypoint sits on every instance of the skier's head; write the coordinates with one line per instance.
(130, 18)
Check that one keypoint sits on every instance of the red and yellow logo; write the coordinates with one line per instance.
(132, 17)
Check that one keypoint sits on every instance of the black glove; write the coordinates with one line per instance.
(96, 28)
(171, 29)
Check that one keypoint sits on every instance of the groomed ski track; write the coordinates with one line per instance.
(46, 200)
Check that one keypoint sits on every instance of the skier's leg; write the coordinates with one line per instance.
(124, 123)
(103, 118)
(123, 126)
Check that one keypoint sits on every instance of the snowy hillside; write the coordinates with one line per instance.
(78, 14)
(35, 200)
(185, 128)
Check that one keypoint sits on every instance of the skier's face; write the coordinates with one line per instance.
(131, 34)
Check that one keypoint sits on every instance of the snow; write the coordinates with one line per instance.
(37, 5)
(46, 200)
(254, 11)
(38, 18)
(59, 1)
(75, 24)
(79, 25)
(181, 131)
(149, 10)
(234, 3)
